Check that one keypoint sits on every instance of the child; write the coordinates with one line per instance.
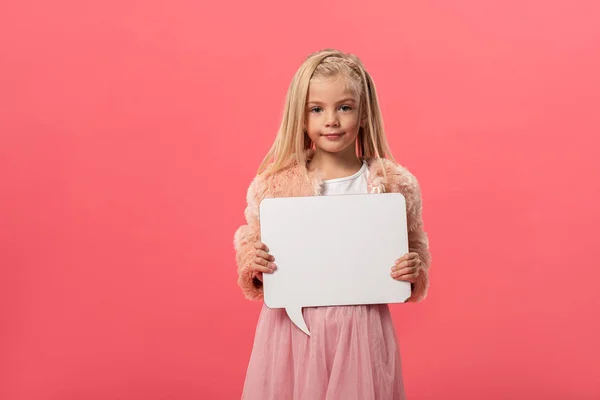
(330, 142)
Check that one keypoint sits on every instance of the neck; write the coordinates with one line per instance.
(335, 165)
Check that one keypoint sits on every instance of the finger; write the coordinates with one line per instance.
(271, 268)
(412, 278)
(404, 264)
(403, 258)
(399, 274)
(265, 263)
(412, 263)
(262, 268)
(259, 276)
(403, 271)
(264, 255)
(261, 246)
(413, 274)
(408, 256)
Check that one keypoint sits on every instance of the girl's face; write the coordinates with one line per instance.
(332, 115)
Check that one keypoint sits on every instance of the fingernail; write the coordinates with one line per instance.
(273, 266)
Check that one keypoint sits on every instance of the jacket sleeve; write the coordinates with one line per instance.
(407, 184)
(418, 240)
(245, 237)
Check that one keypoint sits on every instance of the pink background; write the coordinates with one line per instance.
(131, 129)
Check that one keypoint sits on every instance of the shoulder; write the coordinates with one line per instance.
(256, 190)
(272, 183)
(400, 176)
(396, 178)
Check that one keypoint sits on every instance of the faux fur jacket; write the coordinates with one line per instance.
(292, 182)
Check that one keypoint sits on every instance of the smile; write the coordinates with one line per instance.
(333, 135)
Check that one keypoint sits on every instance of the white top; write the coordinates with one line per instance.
(353, 184)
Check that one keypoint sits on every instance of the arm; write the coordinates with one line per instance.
(414, 265)
(244, 239)
(418, 242)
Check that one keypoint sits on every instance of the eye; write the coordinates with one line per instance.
(346, 108)
(316, 109)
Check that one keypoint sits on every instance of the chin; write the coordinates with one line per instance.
(333, 147)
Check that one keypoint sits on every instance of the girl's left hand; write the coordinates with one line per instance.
(408, 268)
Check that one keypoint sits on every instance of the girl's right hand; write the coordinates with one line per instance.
(263, 263)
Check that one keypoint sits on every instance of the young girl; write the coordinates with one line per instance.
(330, 142)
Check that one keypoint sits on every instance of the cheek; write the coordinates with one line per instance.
(312, 128)
(353, 125)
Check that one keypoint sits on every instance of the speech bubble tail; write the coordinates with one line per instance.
(297, 318)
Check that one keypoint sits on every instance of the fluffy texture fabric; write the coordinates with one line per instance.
(293, 181)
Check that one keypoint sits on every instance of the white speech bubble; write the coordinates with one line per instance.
(333, 251)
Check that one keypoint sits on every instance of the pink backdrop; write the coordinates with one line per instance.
(131, 129)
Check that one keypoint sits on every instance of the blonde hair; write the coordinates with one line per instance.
(292, 141)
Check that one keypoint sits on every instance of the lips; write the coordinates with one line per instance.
(333, 134)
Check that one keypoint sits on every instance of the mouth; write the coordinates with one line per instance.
(333, 135)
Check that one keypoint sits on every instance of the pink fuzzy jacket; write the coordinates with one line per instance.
(292, 182)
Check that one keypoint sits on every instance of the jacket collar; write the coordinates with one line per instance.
(375, 184)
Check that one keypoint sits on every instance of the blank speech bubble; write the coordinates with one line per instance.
(333, 251)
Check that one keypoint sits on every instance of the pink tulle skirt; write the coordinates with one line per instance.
(352, 354)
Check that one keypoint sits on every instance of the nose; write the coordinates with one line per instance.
(332, 119)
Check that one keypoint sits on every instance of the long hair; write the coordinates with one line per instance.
(292, 141)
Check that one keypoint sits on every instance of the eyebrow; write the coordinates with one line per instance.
(346, 100)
